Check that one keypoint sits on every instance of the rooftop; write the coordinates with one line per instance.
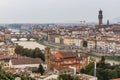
(25, 60)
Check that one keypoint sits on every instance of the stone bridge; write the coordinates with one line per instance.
(19, 35)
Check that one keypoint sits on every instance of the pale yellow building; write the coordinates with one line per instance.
(117, 46)
(11, 49)
(6, 63)
(69, 41)
(51, 37)
(57, 40)
(91, 44)
(7, 34)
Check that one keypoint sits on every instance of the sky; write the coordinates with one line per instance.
(57, 11)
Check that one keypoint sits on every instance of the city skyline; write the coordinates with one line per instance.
(52, 11)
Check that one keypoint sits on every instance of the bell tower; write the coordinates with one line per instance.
(107, 22)
(100, 17)
(47, 58)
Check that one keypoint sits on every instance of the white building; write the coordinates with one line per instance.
(111, 46)
(24, 62)
(78, 42)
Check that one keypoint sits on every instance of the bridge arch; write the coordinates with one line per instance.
(19, 35)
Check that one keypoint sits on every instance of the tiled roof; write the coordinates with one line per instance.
(68, 54)
(58, 56)
(25, 60)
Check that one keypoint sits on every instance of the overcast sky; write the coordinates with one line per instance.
(57, 11)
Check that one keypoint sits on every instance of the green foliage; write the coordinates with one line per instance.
(111, 73)
(91, 59)
(19, 49)
(77, 78)
(9, 76)
(87, 69)
(116, 57)
(102, 59)
(104, 70)
(41, 69)
(35, 53)
(67, 77)
(1, 41)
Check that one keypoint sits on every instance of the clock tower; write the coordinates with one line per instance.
(100, 17)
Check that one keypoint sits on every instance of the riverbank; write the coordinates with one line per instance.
(109, 59)
(42, 43)
(49, 45)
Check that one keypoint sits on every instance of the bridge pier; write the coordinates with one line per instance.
(18, 39)
(28, 39)
(21, 35)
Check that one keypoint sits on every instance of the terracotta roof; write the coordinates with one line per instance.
(6, 56)
(116, 79)
(58, 56)
(62, 68)
(116, 28)
(68, 54)
(25, 60)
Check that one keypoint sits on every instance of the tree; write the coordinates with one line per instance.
(41, 69)
(18, 49)
(34, 53)
(68, 77)
(102, 64)
(65, 77)
(77, 78)
(104, 70)
(9, 76)
(111, 74)
(88, 68)
(38, 53)
(102, 59)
